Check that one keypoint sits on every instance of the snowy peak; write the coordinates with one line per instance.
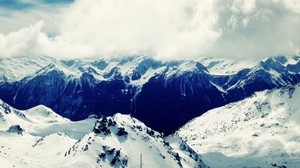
(270, 73)
(127, 138)
(217, 66)
(44, 114)
(119, 123)
(134, 67)
(28, 120)
(15, 69)
(49, 140)
(281, 64)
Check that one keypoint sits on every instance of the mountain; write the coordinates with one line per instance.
(259, 131)
(162, 94)
(38, 137)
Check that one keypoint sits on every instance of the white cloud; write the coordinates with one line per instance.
(293, 5)
(271, 28)
(23, 42)
(243, 6)
(165, 29)
(162, 28)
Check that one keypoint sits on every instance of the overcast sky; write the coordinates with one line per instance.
(240, 29)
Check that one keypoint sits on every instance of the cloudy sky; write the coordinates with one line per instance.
(239, 29)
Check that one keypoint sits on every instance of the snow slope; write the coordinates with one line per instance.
(42, 121)
(217, 66)
(40, 138)
(262, 130)
(14, 69)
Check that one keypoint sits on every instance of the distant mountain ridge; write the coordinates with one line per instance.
(162, 94)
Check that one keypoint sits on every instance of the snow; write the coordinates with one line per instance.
(15, 69)
(219, 87)
(49, 140)
(260, 131)
(183, 67)
(42, 121)
(292, 61)
(225, 66)
(145, 78)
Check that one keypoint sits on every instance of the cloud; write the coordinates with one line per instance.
(241, 29)
(28, 41)
(17, 14)
(257, 29)
(160, 28)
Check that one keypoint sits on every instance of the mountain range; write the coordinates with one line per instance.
(164, 95)
(139, 111)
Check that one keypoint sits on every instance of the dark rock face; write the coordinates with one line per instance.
(16, 129)
(75, 98)
(167, 100)
(187, 96)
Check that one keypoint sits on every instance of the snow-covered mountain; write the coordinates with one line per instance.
(162, 94)
(259, 131)
(38, 137)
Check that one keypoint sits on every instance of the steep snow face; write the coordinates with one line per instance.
(262, 130)
(40, 138)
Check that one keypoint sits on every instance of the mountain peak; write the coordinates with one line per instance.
(114, 141)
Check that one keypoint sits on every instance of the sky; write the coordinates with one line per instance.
(165, 29)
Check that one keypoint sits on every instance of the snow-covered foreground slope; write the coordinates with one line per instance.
(262, 130)
(40, 138)
(42, 121)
